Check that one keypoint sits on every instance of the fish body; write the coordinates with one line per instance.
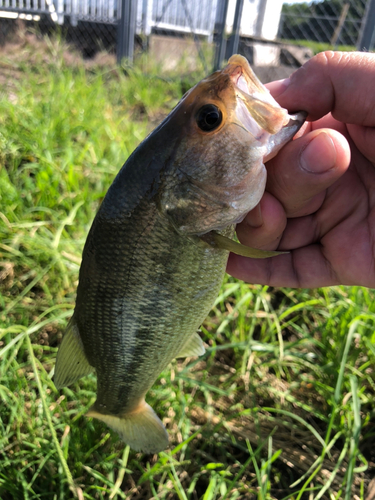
(156, 253)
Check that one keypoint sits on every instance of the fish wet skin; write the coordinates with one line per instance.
(156, 253)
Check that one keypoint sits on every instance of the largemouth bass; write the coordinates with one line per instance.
(156, 253)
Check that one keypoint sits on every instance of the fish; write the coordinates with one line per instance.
(155, 256)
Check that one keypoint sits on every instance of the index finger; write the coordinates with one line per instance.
(338, 82)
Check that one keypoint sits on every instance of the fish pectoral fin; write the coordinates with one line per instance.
(193, 347)
(71, 361)
(219, 241)
(142, 429)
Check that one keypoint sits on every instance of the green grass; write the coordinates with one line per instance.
(317, 47)
(279, 407)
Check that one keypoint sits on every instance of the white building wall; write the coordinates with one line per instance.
(251, 9)
(271, 19)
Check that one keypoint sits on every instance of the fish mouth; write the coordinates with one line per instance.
(278, 140)
(256, 110)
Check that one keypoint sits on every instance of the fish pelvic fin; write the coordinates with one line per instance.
(71, 361)
(193, 347)
(141, 429)
(217, 240)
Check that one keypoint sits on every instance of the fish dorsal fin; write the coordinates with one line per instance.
(141, 429)
(193, 347)
(217, 240)
(71, 362)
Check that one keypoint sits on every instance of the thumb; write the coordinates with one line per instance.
(300, 174)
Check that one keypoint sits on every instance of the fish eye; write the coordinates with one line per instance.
(209, 117)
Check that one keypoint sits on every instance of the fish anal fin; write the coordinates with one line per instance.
(71, 361)
(217, 240)
(193, 347)
(141, 429)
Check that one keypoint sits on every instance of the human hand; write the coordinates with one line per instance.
(320, 196)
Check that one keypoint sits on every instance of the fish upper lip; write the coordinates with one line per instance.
(248, 86)
(256, 109)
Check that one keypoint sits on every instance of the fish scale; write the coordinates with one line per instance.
(151, 315)
(155, 256)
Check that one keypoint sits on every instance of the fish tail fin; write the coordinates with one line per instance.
(141, 429)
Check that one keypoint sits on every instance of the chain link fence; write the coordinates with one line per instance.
(335, 22)
(268, 32)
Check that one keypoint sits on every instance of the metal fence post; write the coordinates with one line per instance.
(126, 31)
(235, 36)
(60, 11)
(336, 34)
(366, 38)
(222, 7)
(146, 17)
(260, 18)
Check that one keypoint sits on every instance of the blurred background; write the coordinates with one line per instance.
(270, 33)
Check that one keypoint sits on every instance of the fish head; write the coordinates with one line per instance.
(228, 125)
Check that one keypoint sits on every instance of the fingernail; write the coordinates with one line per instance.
(320, 155)
(278, 87)
(254, 218)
